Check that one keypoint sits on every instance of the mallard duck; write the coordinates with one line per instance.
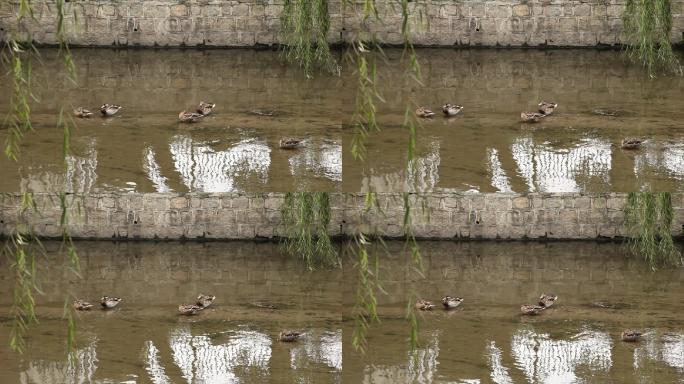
(631, 336)
(205, 300)
(289, 336)
(81, 305)
(82, 113)
(189, 309)
(547, 300)
(531, 117)
(451, 110)
(290, 143)
(205, 108)
(546, 107)
(424, 113)
(632, 143)
(109, 302)
(190, 117)
(109, 109)
(424, 305)
(451, 302)
(531, 310)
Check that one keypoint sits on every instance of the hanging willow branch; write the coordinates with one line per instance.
(305, 26)
(647, 25)
(648, 217)
(306, 216)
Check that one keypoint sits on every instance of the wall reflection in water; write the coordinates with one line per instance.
(543, 359)
(204, 169)
(201, 361)
(78, 369)
(547, 169)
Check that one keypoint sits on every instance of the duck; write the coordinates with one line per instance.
(547, 107)
(451, 302)
(531, 117)
(631, 336)
(290, 143)
(189, 309)
(424, 113)
(289, 336)
(205, 108)
(190, 117)
(547, 300)
(205, 301)
(531, 310)
(451, 110)
(424, 305)
(109, 302)
(81, 305)
(82, 113)
(631, 143)
(109, 109)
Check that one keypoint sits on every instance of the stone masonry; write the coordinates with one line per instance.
(255, 22)
(251, 216)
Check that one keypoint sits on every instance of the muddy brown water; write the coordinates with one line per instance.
(484, 341)
(261, 100)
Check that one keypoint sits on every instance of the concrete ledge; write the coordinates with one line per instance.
(254, 216)
(257, 22)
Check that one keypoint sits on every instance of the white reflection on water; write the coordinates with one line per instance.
(669, 349)
(77, 370)
(669, 160)
(543, 359)
(79, 177)
(204, 169)
(498, 174)
(499, 373)
(324, 350)
(153, 364)
(201, 361)
(423, 174)
(421, 366)
(323, 161)
(547, 169)
(153, 170)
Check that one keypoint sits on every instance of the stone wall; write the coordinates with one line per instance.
(249, 216)
(252, 22)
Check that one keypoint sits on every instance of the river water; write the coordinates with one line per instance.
(260, 291)
(603, 98)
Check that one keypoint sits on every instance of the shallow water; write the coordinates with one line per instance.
(483, 149)
(486, 340)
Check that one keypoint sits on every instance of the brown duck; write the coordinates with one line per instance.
(546, 107)
(81, 305)
(424, 113)
(424, 305)
(289, 336)
(531, 117)
(205, 108)
(631, 336)
(547, 300)
(189, 309)
(531, 310)
(205, 301)
(82, 113)
(631, 143)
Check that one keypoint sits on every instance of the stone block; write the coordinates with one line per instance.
(521, 10)
(106, 10)
(582, 9)
(179, 10)
(521, 202)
